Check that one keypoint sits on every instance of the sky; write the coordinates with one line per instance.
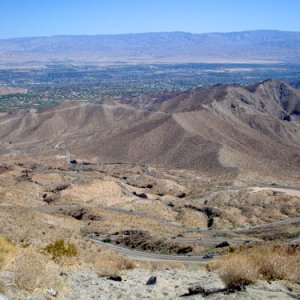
(25, 18)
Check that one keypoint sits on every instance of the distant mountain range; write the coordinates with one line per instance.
(247, 46)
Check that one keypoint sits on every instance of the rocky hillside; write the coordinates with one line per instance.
(224, 129)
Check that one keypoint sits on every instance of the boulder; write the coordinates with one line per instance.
(152, 280)
(223, 244)
(115, 278)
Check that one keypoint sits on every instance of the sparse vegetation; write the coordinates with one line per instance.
(113, 265)
(237, 272)
(269, 262)
(30, 270)
(6, 248)
(107, 240)
(59, 249)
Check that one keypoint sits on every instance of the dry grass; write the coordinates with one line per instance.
(161, 265)
(278, 262)
(33, 271)
(237, 272)
(7, 251)
(105, 261)
(268, 262)
(113, 265)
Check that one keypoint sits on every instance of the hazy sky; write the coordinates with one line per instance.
(20, 18)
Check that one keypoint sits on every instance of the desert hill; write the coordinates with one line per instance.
(238, 131)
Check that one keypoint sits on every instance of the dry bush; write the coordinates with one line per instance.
(32, 272)
(268, 262)
(7, 250)
(130, 265)
(161, 265)
(277, 262)
(238, 272)
(104, 260)
(114, 265)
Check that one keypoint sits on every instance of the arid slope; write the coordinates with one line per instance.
(250, 131)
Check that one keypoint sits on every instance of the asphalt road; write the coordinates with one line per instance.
(154, 257)
(146, 256)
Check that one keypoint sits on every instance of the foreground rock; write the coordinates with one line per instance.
(115, 278)
(152, 280)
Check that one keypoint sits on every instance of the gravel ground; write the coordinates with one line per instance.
(86, 284)
(171, 284)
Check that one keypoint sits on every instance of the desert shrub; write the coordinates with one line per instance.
(277, 262)
(129, 265)
(30, 270)
(34, 271)
(107, 240)
(238, 271)
(6, 249)
(269, 262)
(113, 265)
(59, 249)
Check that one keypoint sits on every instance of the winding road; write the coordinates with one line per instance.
(154, 257)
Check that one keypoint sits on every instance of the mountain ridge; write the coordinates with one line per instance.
(154, 33)
(263, 45)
